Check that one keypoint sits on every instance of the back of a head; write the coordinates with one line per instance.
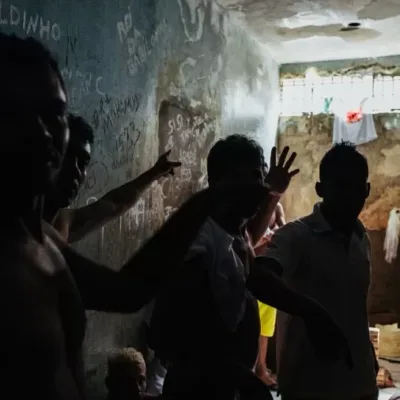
(80, 129)
(230, 153)
(21, 57)
(343, 160)
(126, 359)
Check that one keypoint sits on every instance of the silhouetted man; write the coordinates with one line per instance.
(207, 324)
(75, 223)
(326, 255)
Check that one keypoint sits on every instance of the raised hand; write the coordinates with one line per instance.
(164, 166)
(279, 176)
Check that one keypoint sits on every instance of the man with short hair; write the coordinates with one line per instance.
(326, 255)
(73, 224)
(126, 375)
(206, 325)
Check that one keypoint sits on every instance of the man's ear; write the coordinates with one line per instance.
(319, 189)
(108, 383)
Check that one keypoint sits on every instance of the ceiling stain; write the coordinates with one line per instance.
(357, 35)
(375, 10)
(296, 31)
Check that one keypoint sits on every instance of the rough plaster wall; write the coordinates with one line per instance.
(202, 59)
(251, 91)
(379, 66)
(311, 137)
(120, 60)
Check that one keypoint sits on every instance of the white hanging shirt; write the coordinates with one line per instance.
(359, 132)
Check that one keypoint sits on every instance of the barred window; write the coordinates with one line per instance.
(304, 95)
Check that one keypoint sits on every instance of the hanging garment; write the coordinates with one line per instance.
(353, 124)
(392, 235)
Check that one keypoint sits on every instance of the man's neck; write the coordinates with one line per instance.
(20, 219)
(50, 209)
(346, 227)
(233, 226)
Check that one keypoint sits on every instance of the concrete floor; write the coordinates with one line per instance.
(383, 395)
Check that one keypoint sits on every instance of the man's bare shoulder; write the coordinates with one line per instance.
(29, 285)
(25, 254)
(40, 310)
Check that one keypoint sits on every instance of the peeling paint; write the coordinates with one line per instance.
(309, 30)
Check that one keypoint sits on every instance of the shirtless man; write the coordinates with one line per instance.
(43, 304)
(75, 223)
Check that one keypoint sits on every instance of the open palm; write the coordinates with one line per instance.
(279, 174)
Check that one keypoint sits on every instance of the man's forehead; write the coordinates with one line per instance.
(347, 179)
(251, 165)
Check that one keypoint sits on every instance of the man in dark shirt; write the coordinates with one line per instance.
(207, 325)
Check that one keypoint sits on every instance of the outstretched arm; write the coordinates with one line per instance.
(269, 288)
(84, 220)
(142, 277)
(283, 256)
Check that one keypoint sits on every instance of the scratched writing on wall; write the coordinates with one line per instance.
(80, 85)
(110, 110)
(31, 24)
(139, 45)
(193, 16)
(189, 135)
(126, 141)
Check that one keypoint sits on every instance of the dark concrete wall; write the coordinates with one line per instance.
(120, 60)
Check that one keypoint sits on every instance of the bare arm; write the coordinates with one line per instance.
(140, 279)
(146, 273)
(271, 289)
(279, 216)
(258, 225)
(278, 178)
(84, 220)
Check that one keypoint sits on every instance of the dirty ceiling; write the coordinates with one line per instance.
(312, 30)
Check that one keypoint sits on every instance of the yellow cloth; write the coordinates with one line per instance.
(267, 319)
